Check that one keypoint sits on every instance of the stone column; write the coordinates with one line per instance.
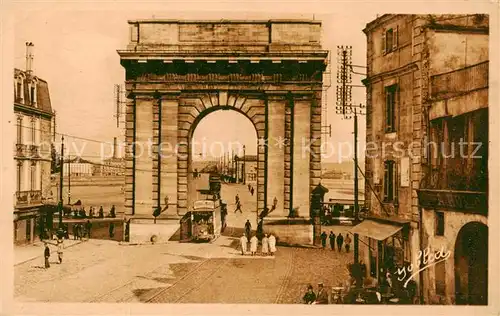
(276, 154)
(168, 165)
(129, 159)
(301, 156)
(143, 205)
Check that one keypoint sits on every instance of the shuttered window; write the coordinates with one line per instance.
(389, 40)
(390, 108)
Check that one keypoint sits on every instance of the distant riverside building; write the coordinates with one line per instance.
(78, 167)
(427, 79)
(114, 166)
(32, 151)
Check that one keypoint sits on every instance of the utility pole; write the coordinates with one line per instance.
(243, 171)
(69, 179)
(61, 179)
(346, 109)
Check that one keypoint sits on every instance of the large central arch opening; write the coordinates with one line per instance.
(225, 142)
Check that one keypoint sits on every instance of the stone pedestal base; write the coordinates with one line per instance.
(142, 230)
(290, 231)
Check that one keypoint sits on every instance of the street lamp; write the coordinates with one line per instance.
(61, 179)
(244, 166)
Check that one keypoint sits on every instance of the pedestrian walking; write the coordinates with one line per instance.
(47, 256)
(323, 239)
(252, 191)
(248, 229)
(243, 244)
(238, 207)
(272, 244)
(60, 249)
(253, 245)
(89, 227)
(340, 241)
(265, 245)
(347, 243)
(332, 240)
(236, 198)
(309, 297)
(111, 230)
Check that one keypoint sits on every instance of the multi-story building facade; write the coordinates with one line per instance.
(427, 79)
(32, 151)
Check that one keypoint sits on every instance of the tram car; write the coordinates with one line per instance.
(203, 222)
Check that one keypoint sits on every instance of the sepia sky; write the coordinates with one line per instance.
(75, 52)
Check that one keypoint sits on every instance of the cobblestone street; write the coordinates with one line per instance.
(104, 271)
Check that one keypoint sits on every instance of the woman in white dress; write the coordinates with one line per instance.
(272, 244)
(253, 245)
(243, 244)
(265, 245)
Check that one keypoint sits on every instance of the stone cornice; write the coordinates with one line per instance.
(32, 110)
(398, 71)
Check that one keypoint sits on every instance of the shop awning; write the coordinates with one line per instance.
(375, 229)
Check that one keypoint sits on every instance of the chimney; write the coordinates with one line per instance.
(114, 148)
(29, 58)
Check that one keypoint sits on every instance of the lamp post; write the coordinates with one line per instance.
(61, 179)
(244, 166)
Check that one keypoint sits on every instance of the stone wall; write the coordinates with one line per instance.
(454, 221)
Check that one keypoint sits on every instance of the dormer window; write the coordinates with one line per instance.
(19, 93)
(32, 92)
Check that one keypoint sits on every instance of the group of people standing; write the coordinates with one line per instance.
(338, 239)
(268, 245)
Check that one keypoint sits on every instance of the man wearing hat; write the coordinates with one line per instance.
(322, 296)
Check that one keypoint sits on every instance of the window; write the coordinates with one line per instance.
(19, 175)
(389, 36)
(19, 91)
(390, 108)
(19, 130)
(390, 40)
(389, 181)
(439, 224)
(33, 129)
(33, 95)
(33, 176)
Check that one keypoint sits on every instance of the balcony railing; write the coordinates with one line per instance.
(26, 198)
(21, 150)
(34, 151)
(460, 81)
(27, 151)
(466, 201)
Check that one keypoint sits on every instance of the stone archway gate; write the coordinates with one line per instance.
(179, 71)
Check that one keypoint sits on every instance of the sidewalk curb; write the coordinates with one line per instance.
(37, 257)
